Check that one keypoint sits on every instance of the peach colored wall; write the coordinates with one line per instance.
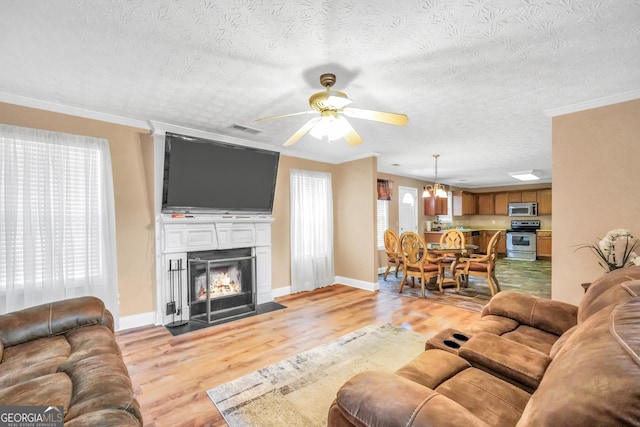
(355, 220)
(130, 149)
(596, 187)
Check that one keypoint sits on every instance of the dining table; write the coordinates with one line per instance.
(455, 252)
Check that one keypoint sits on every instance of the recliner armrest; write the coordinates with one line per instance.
(383, 399)
(555, 317)
(54, 318)
(514, 362)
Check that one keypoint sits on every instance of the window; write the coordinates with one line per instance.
(311, 230)
(448, 218)
(382, 222)
(56, 219)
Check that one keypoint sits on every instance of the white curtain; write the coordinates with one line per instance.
(311, 230)
(57, 220)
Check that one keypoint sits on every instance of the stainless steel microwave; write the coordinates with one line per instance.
(523, 209)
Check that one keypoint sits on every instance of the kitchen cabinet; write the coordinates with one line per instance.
(464, 203)
(435, 206)
(485, 204)
(485, 237)
(544, 201)
(529, 196)
(501, 203)
(514, 196)
(543, 243)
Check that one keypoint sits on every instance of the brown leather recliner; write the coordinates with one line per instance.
(527, 362)
(65, 354)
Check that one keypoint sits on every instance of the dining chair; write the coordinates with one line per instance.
(394, 259)
(418, 263)
(481, 266)
(450, 239)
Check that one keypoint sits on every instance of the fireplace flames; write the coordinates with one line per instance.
(221, 284)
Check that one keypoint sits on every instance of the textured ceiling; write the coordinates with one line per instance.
(475, 77)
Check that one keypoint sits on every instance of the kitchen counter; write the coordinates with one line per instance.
(464, 230)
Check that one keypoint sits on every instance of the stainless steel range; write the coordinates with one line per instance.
(521, 239)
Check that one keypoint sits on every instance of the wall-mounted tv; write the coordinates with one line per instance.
(205, 176)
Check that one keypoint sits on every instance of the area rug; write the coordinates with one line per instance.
(524, 276)
(298, 391)
(464, 299)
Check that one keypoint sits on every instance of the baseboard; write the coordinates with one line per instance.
(360, 284)
(137, 320)
(280, 292)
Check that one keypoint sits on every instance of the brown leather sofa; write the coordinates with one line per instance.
(65, 354)
(526, 362)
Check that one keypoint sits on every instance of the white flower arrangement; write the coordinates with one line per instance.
(615, 250)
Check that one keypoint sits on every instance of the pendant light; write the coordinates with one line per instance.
(437, 189)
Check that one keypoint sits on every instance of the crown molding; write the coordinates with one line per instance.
(73, 111)
(594, 103)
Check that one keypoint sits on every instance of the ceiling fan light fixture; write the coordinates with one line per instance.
(530, 175)
(330, 126)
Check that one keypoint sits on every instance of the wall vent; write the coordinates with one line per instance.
(247, 129)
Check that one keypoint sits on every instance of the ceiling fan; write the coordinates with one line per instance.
(331, 122)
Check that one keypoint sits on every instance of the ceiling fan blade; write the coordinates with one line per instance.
(301, 132)
(338, 99)
(377, 116)
(284, 115)
(352, 137)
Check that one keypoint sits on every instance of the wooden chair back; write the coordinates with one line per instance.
(413, 249)
(417, 261)
(452, 239)
(391, 241)
(483, 266)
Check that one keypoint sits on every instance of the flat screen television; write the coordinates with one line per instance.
(212, 177)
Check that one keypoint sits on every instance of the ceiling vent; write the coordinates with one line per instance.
(243, 128)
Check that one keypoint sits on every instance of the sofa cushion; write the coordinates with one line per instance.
(52, 390)
(382, 399)
(494, 401)
(100, 382)
(104, 418)
(52, 319)
(33, 359)
(594, 377)
(551, 316)
(517, 363)
(492, 324)
(535, 338)
(611, 288)
(487, 397)
(431, 368)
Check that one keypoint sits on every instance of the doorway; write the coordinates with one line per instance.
(408, 209)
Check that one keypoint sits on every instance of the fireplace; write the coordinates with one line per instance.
(222, 284)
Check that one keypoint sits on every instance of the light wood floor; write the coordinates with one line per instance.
(171, 374)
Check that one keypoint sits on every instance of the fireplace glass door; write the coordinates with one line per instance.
(222, 285)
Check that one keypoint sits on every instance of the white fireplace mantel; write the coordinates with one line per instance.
(180, 236)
